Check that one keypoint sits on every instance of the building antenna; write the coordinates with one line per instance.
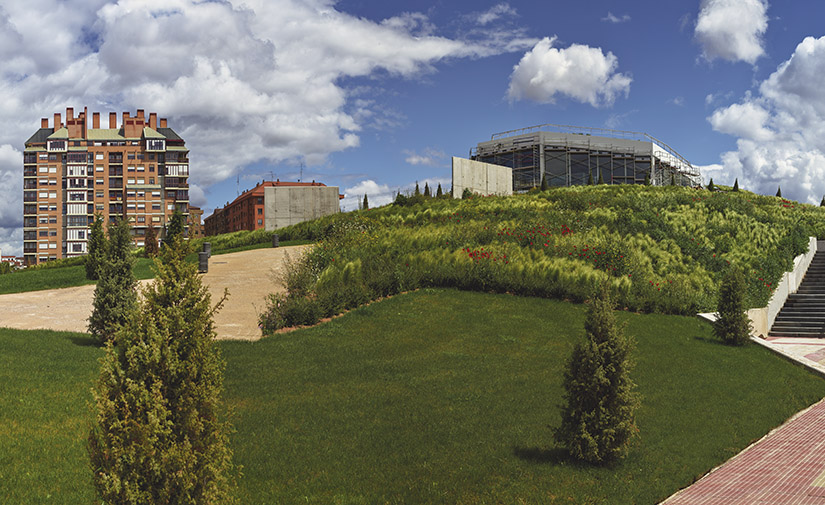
(302, 172)
(238, 188)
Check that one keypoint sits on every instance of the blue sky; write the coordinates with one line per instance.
(373, 96)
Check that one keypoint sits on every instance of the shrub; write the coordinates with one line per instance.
(158, 438)
(115, 298)
(732, 325)
(466, 194)
(736, 184)
(97, 249)
(598, 419)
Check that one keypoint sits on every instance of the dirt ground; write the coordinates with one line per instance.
(249, 275)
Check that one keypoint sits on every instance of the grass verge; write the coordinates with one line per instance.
(437, 396)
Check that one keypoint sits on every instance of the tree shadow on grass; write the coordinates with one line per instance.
(84, 341)
(555, 456)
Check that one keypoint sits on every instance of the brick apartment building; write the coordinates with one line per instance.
(136, 170)
(195, 223)
(274, 204)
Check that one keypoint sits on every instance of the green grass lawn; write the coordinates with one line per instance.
(70, 276)
(437, 396)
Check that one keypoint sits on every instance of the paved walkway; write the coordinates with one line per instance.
(249, 276)
(787, 466)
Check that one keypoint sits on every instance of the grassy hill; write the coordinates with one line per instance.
(662, 249)
(438, 396)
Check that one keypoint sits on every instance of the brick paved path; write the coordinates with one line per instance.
(785, 467)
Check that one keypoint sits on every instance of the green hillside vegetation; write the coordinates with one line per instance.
(437, 396)
(662, 249)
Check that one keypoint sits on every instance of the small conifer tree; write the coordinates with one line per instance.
(598, 419)
(736, 184)
(590, 179)
(732, 325)
(150, 247)
(115, 297)
(779, 191)
(175, 226)
(544, 186)
(672, 179)
(439, 192)
(97, 249)
(647, 179)
(427, 189)
(822, 203)
(711, 187)
(158, 436)
(417, 191)
(601, 178)
(366, 204)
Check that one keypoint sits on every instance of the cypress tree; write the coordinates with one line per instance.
(647, 179)
(598, 419)
(158, 436)
(366, 204)
(601, 179)
(417, 191)
(97, 249)
(779, 191)
(590, 179)
(174, 227)
(672, 179)
(115, 296)
(544, 186)
(427, 189)
(150, 247)
(732, 325)
(711, 187)
(822, 203)
(736, 184)
(439, 192)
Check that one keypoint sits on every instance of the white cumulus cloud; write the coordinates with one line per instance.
(612, 18)
(429, 157)
(732, 29)
(781, 132)
(242, 81)
(580, 72)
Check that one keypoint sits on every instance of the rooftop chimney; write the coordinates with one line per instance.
(125, 117)
(44, 122)
(153, 120)
(140, 113)
(113, 120)
(69, 114)
(163, 122)
(96, 120)
(85, 121)
(57, 123)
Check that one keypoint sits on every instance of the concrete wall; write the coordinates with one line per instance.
(762, 318)
(481, 178)
(287, 205)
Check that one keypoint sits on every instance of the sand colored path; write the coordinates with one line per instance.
(249, 276)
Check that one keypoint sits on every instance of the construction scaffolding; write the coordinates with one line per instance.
(570, 155)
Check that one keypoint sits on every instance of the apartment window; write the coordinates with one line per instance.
(53, 207)
(141, 180)
(52, 219)
(44, 169)
(141, 205)
(130, 156)
(141, 168)
(43, 156)
(98, 168)
(52, 245)
(151, 180)
(141, 194)
(155, 206)
(131, 168)
(156, 219)
(99, 181)
(43, 194)
(99, 194)
(52, 182)
(43, 207)
(52, 233)
(151, 168)
(141, 219)
(43, 233)
(43, 182)
(130, 181)
(99, 206)
(260, 222)
(130, 193)
(260, 212)
(99, 156)
(170, 206)
(52, 170)
(43, 220)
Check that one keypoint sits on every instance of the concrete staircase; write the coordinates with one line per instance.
(803, 314)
